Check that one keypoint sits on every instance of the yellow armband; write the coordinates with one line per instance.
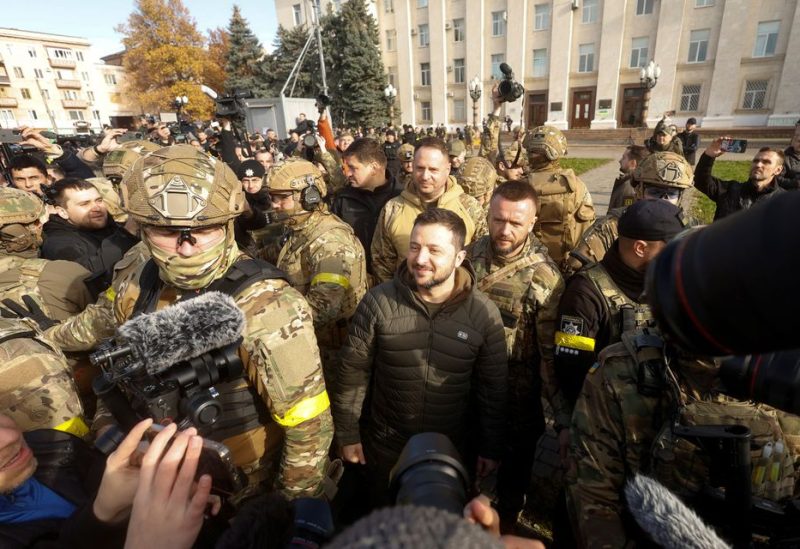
(304, 410)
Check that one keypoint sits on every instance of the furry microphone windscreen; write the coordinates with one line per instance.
(183, 331)
(666, 519)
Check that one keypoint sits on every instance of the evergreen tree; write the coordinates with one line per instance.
(356, 70)
(164, 57)
(286, 49)
(245, 61)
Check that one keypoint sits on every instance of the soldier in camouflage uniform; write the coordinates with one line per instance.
(320, 254)
(186, 203)
(621, 426)
(433, 186)
(36, 387)
(565, 205)
(512, 267)
(478, 179)
(662, 175)
(406, 156)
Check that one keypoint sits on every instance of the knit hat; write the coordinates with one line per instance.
(651, 220)
(250, 168)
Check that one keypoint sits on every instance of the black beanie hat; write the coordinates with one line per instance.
(250, 168)
(651, 220)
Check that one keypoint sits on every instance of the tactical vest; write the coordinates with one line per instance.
(596, 241)
(242, 407)
(562, 214)
(36, 385)
(30, 271)
(512, 298)
(624, 314)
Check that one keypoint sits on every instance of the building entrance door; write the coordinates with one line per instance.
(582, 108)
(537, 109)
(632, 105)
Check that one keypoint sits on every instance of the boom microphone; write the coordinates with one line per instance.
(178, 333)
(666, 519)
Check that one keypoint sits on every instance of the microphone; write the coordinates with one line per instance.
(182, 331)
(665, 518)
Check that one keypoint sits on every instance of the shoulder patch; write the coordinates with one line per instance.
(572, 325)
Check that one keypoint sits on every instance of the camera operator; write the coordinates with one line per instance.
(734, 196)
(68, 161)
(163, 135)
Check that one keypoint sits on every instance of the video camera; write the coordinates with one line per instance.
(11, 146)
(183, 393)
(510, 90)
(231, 106)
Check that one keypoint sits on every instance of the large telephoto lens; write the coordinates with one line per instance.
(773, 379)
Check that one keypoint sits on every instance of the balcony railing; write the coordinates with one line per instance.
(68, 84)
(74, 103)
(62, 63)
(8, 102)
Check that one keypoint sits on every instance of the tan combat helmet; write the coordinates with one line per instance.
(546, 140)
(477, 177)
(304, 180)
(118, 161)
(664, 169)
(19, 210)
(405, 152)
(179, 186)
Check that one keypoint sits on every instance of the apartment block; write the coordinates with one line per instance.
(728, 63)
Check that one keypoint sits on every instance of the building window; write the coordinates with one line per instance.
(540, 62)
(541, 19)
(391, 35)
(458, 30)
(70, 94)
(426, 110)
(46, 94)
(458, 71)
(639, 52)
(644, 7)
(18, 72)
(85, 76)
(497, 59)
(459, 110)
(424, 36)
(96, 115)
(297, 14)
(38, 73)
(698, 45)
(755, 94)
(59, 53)
(703, 3)
(32, 115)
(586, 58)
(498, 23)
(110, 79)
(590, 11)
(425, 74)
(690, 97)
(75, 115)
(7, 118)
(388, 6)
(32, 52)
(766, 38)
(79, 55)
(90, 95)
(26, 93)
(422, 3)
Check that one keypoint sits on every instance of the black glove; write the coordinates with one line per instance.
(33, 311)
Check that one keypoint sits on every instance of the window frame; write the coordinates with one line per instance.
(586, 60)
(592, 9)
(641, 61)
(769, 38)
(700, 44)
(425, 106)
(459, 69)
(459, 30)
(499, 20)
(544, 63)
(754, 94)
(690, 97)
(424, 33)
(496, 74)
(644, 7)
(425, 74)
(541, 21)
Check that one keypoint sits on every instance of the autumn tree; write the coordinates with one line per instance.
(164, 57)
(245, 59)
(218, 44)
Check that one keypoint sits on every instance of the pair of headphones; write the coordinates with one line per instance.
(310, 197)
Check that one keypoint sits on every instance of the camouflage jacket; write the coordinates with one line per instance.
(281, 361)
(617, 431)
(36, 387)
(527, 291)
(334, 175)
(393, 231)
(325, 262)
(57, 286)
(490, 137)
(595, 242)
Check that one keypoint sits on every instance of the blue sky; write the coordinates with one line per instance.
(96, 19)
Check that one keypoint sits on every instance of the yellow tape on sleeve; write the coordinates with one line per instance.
(331, 278)
(304, 410)
(574, 341)
(74, 426)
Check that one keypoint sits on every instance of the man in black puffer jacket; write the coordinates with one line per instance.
(428, 347)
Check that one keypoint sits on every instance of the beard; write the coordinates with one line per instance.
(437, 279)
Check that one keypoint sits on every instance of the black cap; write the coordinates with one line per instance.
(651, 220)
(250, 168)
(692, 120)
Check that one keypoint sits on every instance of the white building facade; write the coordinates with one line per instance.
(728, 63)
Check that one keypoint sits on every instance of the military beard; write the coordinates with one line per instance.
(434, 281)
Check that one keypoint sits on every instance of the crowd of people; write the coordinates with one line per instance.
(392, 283)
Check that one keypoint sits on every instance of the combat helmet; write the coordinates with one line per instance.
(303, 179)
(405, 152)
(179, 186)
(664, 169)
(546, 140)
(477, 176)
(19, 210)
(118, 161)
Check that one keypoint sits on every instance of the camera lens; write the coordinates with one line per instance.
(773, 379)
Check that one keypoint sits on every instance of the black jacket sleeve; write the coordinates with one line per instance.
(492, 385)
(74, 166)
(227, 149)
(704, 181)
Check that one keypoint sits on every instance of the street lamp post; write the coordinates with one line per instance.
(179, 103)
(475, 94)
(648, 78)
(389, 93)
